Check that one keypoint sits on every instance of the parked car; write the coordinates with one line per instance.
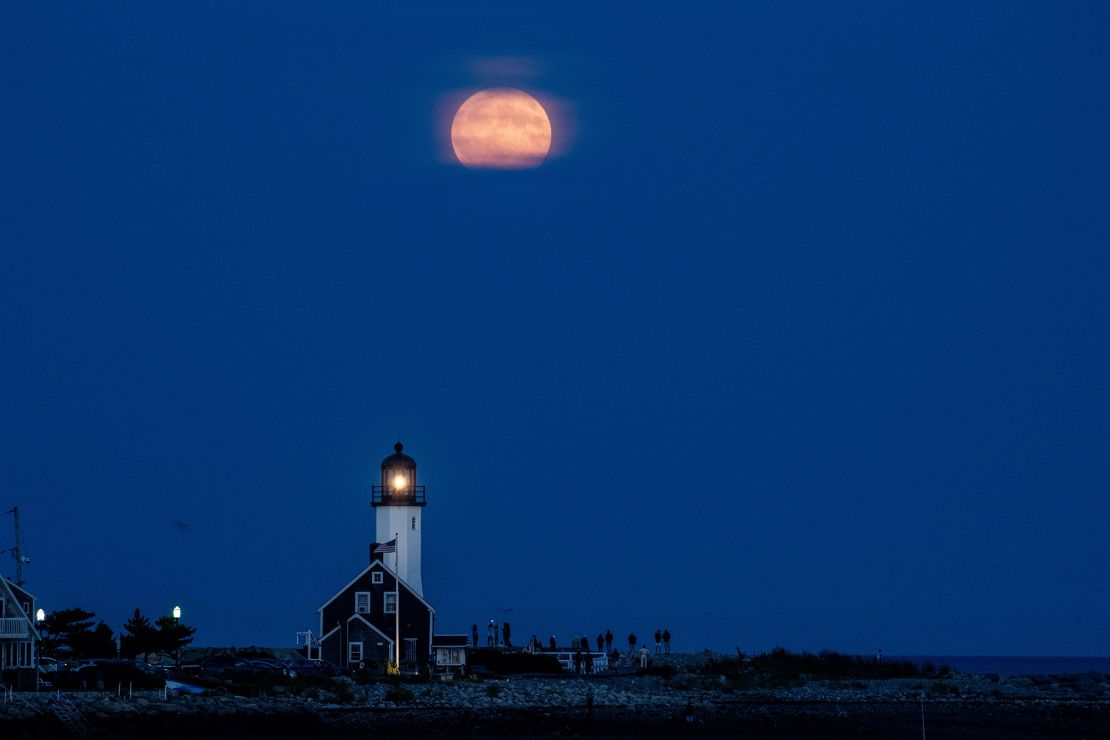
(305, 667)
(156, 670)
(107, 675)
(268, 666)
(228, 668)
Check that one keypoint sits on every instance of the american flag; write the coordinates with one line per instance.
(385, 547)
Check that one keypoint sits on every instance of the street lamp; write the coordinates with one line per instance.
(40, 615)
(177, 636)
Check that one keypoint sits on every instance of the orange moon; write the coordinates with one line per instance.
(501, 128)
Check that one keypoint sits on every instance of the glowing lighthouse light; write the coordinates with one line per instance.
(399, 482)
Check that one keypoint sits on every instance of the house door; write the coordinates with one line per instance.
(410, 651)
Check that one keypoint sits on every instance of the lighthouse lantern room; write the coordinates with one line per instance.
(398, 503)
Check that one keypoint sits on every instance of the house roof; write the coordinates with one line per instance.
(367, 569)
(449, 641)
(6, 588)
(366, 621)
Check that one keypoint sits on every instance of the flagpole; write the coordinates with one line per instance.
(397, 602)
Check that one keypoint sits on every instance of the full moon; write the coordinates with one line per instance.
(501, 128)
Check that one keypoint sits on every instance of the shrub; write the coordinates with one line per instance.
(342, 693)
(496, 661)
(781, 667)
(398, 694)
(664, 671)
(493, 691)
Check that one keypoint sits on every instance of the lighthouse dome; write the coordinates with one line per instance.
(398, 459)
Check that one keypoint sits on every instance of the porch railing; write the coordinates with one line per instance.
(14, 627)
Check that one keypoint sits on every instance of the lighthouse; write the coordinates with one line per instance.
(398, 503)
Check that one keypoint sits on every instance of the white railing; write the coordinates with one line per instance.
(14, 627)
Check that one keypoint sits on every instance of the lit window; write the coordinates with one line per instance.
(391, 602)
(376, 577)
(362, 602)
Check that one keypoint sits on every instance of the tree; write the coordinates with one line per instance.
(173, 635)
(66, 630)
(96, 643)
(141, 637)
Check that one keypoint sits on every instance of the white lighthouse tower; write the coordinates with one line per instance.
(399, 502)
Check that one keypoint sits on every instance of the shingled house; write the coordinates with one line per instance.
(359, 624)
(18, 637)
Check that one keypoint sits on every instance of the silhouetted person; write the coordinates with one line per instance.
(496, 634)
(551, 643)
(584, 644)
(658, 641)
(632, 643)
(643, 657)
(667, 641)
(474, 635)
(491, 637)
(505, 635)
(577, 661)
(608, 641)
(600, 642)
(614, 658)
(589, 662)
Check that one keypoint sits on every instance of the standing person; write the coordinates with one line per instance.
(505, 635)
(474, 635)
(608, 641)
(589, 662)
(600, 642)
(667, 641)
(632, 644)
(614, 658)
(577, 661)
(584, 643)
(644, 657)
(551, 643)
(658, 641)
(491, 628)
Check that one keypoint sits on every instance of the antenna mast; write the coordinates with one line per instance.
(17, 551)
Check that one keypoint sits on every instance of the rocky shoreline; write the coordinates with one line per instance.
(624, 706)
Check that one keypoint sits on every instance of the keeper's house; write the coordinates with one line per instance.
(18, 637)
(359, 624)
(381, 616)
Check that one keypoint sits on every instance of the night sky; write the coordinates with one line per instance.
(800, 337)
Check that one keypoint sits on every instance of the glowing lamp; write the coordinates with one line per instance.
(40, 615)
(398, 482)
(177, 612)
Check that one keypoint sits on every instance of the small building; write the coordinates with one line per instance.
(449, 653)
(381, 616)
(18, 637)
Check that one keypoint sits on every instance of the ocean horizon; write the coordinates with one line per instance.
(1013, 665)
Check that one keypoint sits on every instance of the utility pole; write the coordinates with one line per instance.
(17, 551)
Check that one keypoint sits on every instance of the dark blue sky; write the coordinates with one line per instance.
(803, 339)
